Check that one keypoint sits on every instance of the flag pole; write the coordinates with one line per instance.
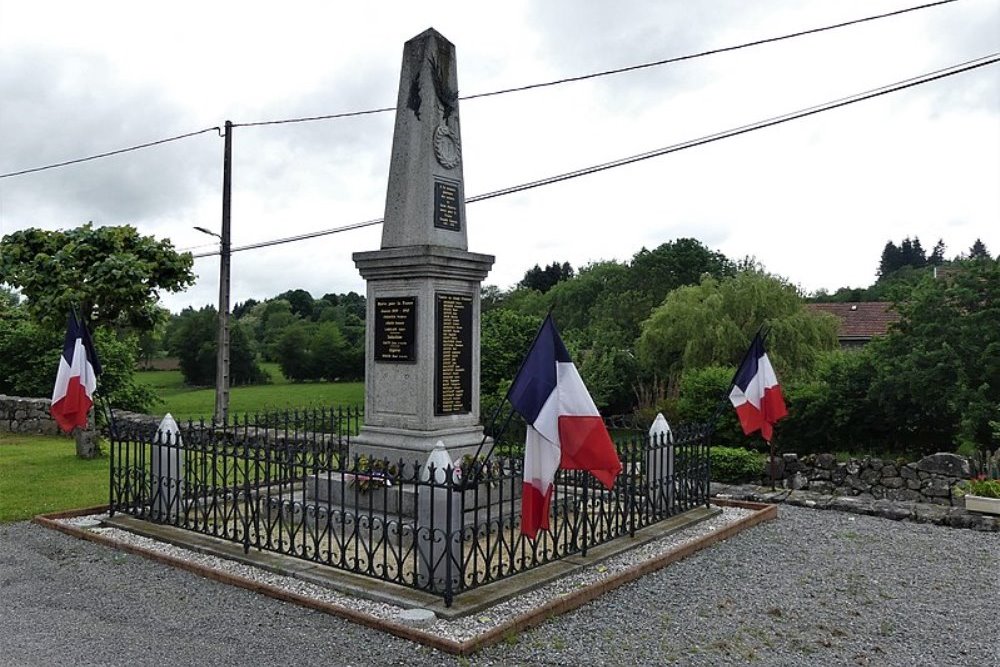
(506, 397)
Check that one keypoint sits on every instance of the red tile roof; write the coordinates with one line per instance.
(862, 320)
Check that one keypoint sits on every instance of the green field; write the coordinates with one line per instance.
(185, 402)
(41, 474)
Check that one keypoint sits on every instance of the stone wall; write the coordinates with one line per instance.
(929, 480)
(31, 415)
(26, 415)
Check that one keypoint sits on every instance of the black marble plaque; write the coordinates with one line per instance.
(447, 213)
(396, 329)
(453, 367)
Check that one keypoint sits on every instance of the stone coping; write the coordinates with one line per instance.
(758, 512)
(954, 516)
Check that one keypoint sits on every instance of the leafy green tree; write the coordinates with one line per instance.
(505, 337)
(938, 372)
(543, 280)
(300, 301)
(317, 351)
(112, 275)
(194, 341)
(242, 308)
(712, 324)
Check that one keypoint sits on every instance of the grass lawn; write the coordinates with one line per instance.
(185, 402)
(40, 474)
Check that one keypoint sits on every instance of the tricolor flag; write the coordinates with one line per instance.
(564, 427)
(76, 381)
(756, 394)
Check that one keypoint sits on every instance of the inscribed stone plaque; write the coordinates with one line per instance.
(395, 329)
(446, 210)
(453, 367)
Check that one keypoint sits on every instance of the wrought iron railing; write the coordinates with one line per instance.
(290, 486)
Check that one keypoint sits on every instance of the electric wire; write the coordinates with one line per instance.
(114, 152)
(619, 70)
(349, 114)
(700, 141)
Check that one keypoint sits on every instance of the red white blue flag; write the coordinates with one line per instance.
(756, 394)
(565, 430)
(76, 380)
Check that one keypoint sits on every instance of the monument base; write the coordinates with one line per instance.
(413, 447)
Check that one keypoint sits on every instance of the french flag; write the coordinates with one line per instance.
(756, 394)
(76, 381)
(565, 430)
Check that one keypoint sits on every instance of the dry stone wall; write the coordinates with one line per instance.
(929, 480)
(26, 415)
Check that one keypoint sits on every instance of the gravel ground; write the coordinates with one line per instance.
(811, 588)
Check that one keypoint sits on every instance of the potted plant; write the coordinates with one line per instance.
(982, 495)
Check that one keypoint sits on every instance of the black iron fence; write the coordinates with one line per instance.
(287, 483)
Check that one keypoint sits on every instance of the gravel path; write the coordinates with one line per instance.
(812, 588)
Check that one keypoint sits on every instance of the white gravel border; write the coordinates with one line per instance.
(458, 630)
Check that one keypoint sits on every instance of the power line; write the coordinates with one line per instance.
(349, 114)
(620, 70)
(725, 134)
(710, 52)
(110, 153)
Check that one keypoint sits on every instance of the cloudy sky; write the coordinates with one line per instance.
(814, 200)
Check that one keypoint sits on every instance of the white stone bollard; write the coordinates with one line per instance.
(436, 554)
(660, 466)
(167, 471)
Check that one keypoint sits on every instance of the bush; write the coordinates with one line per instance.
(29, 361)
(702, 392)
(733, 465)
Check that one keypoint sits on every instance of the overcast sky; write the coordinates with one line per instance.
(814, 200)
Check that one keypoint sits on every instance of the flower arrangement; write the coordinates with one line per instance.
(368, 473)
(471, 468)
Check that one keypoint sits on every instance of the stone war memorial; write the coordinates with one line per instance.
(390, 502)
(422, 346)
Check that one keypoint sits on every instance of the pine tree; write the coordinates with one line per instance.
(937, 254)
(891, 260)
(978, 250)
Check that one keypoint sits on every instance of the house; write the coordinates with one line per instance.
(860, 321)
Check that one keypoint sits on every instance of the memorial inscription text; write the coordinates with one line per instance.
(395, 329)
(446, 210)
(453, 367)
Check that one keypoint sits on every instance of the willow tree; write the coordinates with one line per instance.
(712, 324)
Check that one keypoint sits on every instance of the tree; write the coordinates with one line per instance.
(543, 280)
(194, 341)
(29, 360)
(242, 308)
(978, 250)
(300, 301)
(112, 275)
(713, 322)
(937, 373)
(937, 254)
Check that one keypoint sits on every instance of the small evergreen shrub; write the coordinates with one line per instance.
(733, 465)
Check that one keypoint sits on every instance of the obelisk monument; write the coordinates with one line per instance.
(422, 335)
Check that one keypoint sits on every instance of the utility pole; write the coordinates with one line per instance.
(222, 354)
(222, 371)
